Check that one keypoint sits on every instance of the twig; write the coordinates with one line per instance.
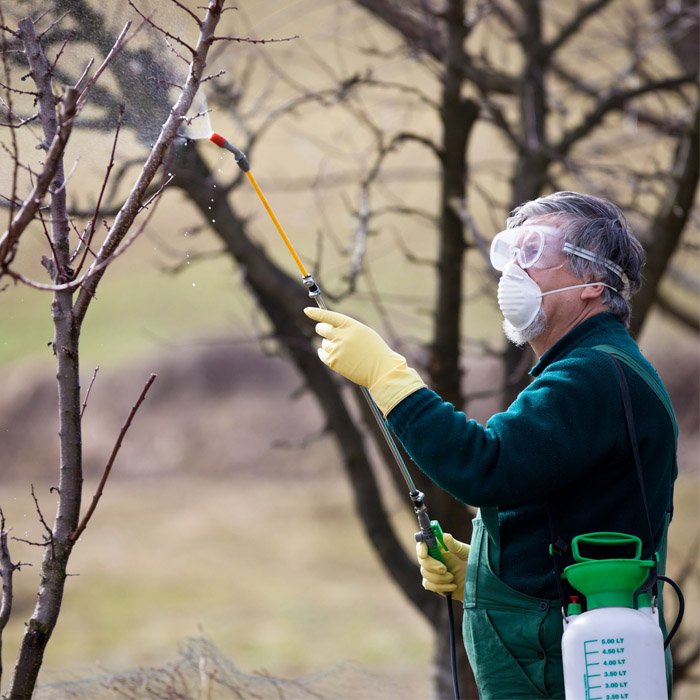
(188, 11)
(108, 468)
(164, 32)
(96, 268)
(89, 389)
(49, 536)
(105, 180)
(362, 234)
(31, 204)
(116, 48)
(249, 40)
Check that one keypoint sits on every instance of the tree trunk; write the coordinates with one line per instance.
(59, 542)
(668, 225)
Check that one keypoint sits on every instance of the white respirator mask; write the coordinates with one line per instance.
(520, 297)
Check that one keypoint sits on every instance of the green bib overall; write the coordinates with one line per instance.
(513, 640)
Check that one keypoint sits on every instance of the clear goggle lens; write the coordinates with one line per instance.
(523, 245)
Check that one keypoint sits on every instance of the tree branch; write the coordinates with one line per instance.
(615, 100)
(66, 116)
(108, 468)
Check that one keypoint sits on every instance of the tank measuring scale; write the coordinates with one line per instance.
(615, 649)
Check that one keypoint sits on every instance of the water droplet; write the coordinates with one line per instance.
(213, 221)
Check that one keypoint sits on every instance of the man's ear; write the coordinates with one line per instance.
(592, 292)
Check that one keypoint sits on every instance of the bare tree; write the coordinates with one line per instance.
(40, 200)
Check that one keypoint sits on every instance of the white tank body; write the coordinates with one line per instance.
(614, 653)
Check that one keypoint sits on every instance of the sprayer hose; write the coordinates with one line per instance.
(681, 608)
(453, 646)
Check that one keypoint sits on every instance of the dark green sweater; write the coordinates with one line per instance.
(564, 441)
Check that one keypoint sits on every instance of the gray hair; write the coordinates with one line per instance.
(598, 226)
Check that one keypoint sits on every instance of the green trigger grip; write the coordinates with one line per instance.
(438, 542)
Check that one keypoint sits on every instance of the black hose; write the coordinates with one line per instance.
(681, 608)
(453, 646)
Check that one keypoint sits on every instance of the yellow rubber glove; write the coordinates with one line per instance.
(359, 354)
(450, 576)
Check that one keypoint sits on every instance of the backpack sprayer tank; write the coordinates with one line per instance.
(614, 650)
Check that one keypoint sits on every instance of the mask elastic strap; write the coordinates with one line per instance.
(578, 286)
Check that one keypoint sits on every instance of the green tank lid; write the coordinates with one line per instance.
(610, 582)
(607, 582)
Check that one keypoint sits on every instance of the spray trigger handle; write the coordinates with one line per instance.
(433, 538)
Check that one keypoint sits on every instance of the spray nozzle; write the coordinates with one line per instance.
(240, 157)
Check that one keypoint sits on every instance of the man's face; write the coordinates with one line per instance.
(537, 248)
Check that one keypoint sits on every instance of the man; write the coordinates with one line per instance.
(559, 461)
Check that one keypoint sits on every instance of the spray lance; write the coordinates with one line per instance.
(430, 531)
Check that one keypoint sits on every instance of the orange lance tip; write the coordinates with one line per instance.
(218, 139)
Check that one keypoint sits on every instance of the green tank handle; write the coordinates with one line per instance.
(598, 539)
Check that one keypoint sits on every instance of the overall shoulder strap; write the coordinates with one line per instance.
(647, 376)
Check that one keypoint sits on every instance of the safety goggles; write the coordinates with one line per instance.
(535, 246)
(526, 246)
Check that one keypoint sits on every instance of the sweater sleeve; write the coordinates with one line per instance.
(565, 422)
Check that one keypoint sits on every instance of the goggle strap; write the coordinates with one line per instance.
(592, 257)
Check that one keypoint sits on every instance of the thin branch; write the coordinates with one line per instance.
(31, 204)
(189, 12)
(90, 232)
(116, 48)
(250, 40)
(108, 468)
(573, 28)
(48, 538)
(89, 389)
(97, 267)
(164, 32)
(68, 38)
(614, 100)
(363, 220)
